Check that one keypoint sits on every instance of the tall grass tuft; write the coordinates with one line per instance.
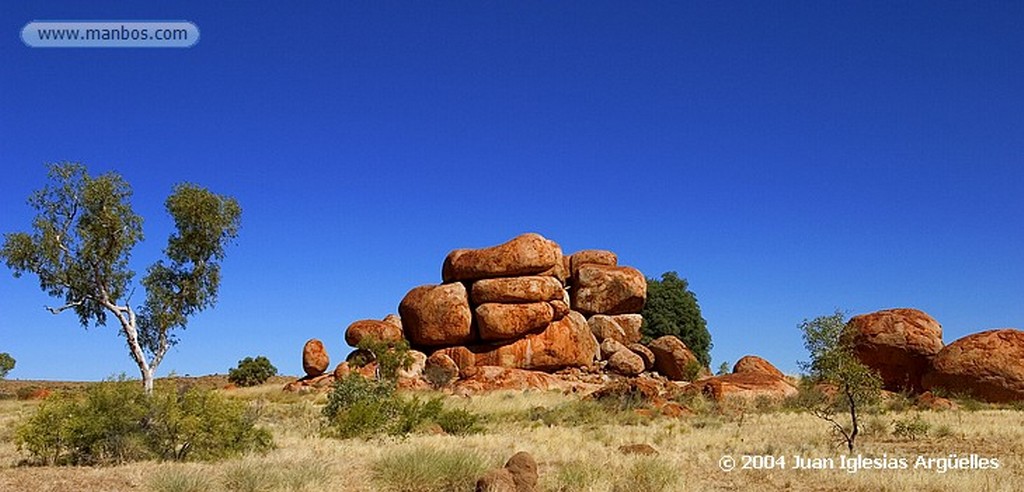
(428, 470)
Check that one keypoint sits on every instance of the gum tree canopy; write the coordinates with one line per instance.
(81, 239)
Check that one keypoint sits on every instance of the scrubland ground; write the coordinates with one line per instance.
(576, 444)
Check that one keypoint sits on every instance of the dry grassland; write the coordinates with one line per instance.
(578, 453)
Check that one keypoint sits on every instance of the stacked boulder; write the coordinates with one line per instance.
(522, 305)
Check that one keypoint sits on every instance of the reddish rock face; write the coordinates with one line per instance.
(609, 346)
(383, 331)
(497, 322)
(988, 365)
(644, 353)
(755, 365)
(604, 327)
(314, 358)
(609, 290)
(527, 254)
(560, 309)
(626, 362)
(564, 343)
(630, 324)
(747, 385)
(491, 378)
(462, 356)
(591, 257)
(442, 368)
(342, 370)
(671, 357)
(437, 315)
(516, 290)
(898, 344)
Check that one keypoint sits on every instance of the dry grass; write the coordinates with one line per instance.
(571, 458)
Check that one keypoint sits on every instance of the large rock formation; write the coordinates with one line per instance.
(437, 315)
(988, 365)
(519, 305)
(898, 344)
(753, 364)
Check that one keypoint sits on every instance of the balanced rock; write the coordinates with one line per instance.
(497, 322)
(988, 365)
(644, 353)
(672, 358)
(755, 365)
(314, 358)
(437, 315)
(609, 290)
(591, 257)
(626, 362)
(526, 254)
(516, 290)
(898, 344)
(370, 328)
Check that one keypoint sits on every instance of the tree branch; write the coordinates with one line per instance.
(70, 305)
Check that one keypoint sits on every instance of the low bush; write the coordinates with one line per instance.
(426, 469)
(252, 372)
(910, 428)
(360, 407)
(115, 422)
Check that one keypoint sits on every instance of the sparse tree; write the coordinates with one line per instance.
(672, 309)
(851, 386)
(6, 364)
(723, 369)
(83, 234)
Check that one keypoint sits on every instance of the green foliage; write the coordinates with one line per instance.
(6, 364)
(83, 234)
(424, 469)
(116, 422)
(252, 372)
(359, 407)
(672, 309)
(390, 356)
(910, 428)
(833, 363)
(723, 369)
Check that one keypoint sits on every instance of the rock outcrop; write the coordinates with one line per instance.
(897, 343)
(752, 364)
(988, 365)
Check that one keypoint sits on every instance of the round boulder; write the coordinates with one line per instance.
(987, 365)
(370, 328)
(314, 358)
(526, 254)
(898, 344)
(753, 364)
(437, 315)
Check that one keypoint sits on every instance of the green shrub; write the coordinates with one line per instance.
(390, 356)
(910, 428)
(358, 407)
(252, 372)
(6, 364)
(425, 470)
(116, 422)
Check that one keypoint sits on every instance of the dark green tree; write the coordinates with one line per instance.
(833, 363)
(6, 364)
(672, 309)
(83, 234)
(252, 372)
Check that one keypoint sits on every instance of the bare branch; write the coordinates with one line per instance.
(58, 310)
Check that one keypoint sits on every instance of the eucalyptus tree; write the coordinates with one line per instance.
(81, 240)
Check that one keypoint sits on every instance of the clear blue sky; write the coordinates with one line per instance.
(787, 159)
